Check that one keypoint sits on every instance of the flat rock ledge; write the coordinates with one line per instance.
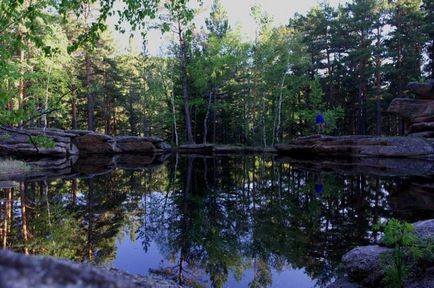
(358, 146)
(363, 265)
(21, 271)
(21, 142)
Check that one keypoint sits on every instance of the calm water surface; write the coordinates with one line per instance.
(246, 221)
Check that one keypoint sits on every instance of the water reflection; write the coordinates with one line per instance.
(213, 221)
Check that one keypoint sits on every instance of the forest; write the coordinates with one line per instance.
(59, 68)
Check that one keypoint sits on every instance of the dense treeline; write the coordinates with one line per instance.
(60, 69)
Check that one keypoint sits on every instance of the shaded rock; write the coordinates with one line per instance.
(426, 134)
(422, 90)
(363, 264)
(16, 142)
(136, 144)
(344, 282)
(421, 127)
(196, 148)
(20, 271)
(412, 109)
(72, 142)
(357, 146)
(163, 146)
(95, 143)
(424, 229)
(427, 281)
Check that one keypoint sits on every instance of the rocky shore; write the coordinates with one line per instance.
(363, 267)
(21, 271)
(22, 142)
(417, 113)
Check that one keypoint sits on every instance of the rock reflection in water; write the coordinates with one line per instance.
(212, 219)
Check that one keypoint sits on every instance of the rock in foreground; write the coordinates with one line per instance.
(20, 271)
(363, 265)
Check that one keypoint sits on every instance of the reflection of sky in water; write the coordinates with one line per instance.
(131, 258)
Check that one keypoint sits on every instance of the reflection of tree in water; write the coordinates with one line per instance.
(211, 217)
(73, 219)
(228, 215)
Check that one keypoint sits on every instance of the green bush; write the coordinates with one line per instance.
(408, 251)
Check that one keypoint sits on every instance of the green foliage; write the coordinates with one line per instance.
(43, 141)
(408, 249)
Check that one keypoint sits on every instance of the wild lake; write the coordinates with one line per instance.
(238, 221)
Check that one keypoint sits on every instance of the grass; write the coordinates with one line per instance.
(8, 167)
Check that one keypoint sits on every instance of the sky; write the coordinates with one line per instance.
(238, 14)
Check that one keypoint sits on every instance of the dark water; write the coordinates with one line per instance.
(217, 222)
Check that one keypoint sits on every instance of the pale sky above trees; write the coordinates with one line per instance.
(238, 14)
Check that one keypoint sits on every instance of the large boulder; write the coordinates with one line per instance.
(20, 271)
(95, 143)
(364, 264)
(135, 144)
(413, 110)
(422, 90)
(424, 229)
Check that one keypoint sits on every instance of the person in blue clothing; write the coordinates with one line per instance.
(320, 123)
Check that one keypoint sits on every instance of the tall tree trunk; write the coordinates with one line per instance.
(205, 121)
(74, 109)
(378, 83)
(276, 138)
(89, 95)
(361, 117)
(88, 81)
(184, 79)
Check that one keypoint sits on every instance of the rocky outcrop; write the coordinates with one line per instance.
(22, 142)
(358, 146)
(422, 90)
(131, 144)
(363, 266)
(20, 271)
(419, 112)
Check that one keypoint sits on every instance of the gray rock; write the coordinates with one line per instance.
(427, 281)
(135, 145)
(412, 109)
(164, 147)
(94, 143)
(344, 282)
(424, 229)
(20, 271)
(363, 264)
(422, 90)
(358, 146)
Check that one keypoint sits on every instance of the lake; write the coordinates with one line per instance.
(238, 221)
